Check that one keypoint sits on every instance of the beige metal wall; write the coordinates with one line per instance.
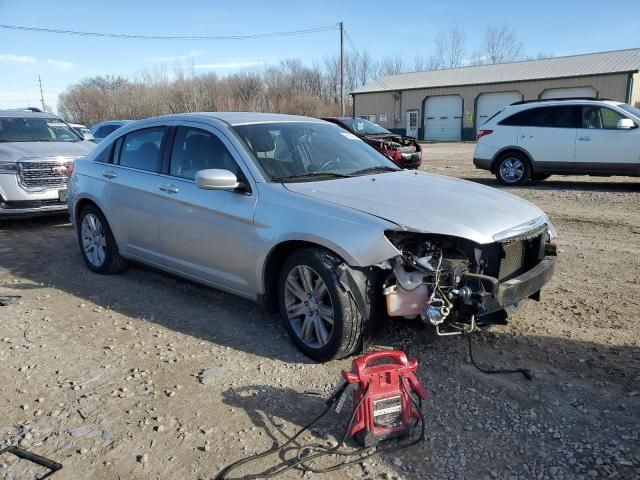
(612, 86)
(635, 93)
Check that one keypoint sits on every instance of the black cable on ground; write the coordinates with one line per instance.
(223, 474)
(301, 459)
(525, 372)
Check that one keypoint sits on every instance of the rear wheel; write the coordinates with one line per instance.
(320, 315)
(513, 169)
(97, 244)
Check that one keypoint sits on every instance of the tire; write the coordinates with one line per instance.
(513, 169)
(93, 225)
(540, 177)
(305, 321)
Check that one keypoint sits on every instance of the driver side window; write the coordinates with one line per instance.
(195, 149)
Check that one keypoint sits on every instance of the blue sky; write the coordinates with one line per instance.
(560, 27)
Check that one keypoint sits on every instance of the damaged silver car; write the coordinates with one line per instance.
(308, 220)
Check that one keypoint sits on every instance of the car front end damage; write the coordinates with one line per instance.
(454, 284)
(404, 151)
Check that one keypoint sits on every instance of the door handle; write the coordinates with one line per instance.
(584, 139)
(109, 174)
(169, 188)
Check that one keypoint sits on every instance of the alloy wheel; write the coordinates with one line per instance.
(512, 170)
(94, 241)
(308, 306)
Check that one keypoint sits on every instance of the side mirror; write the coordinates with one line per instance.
(88, 137)
(216, 179)
(625, 124)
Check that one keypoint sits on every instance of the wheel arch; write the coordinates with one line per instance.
(273, 265)
(81, 203)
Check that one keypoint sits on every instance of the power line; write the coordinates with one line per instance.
(168, 37)
(355, 50)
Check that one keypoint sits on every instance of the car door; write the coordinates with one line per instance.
(129, 191)
(602, 147)
(207, 234)
(548, 134)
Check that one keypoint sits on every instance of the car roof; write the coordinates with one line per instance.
(564, 101)
(111, 122)
(26, 114)
(243, 118)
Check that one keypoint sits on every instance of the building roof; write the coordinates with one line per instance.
(557, 67)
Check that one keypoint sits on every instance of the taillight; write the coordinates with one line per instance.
(482, 133)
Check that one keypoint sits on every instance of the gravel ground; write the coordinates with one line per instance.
(142, 375)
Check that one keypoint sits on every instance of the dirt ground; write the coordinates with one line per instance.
(101, 373)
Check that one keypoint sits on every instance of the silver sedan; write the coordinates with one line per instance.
(308, 220)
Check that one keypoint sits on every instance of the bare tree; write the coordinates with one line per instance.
(450, 49)
(499, 45)
(391, 65)
(419, 63)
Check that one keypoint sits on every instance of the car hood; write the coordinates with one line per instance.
(17, 150)
(423, 202)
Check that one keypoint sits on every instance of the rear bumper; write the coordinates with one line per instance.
(498, 296)
(482, 163)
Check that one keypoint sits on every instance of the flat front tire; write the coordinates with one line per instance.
(513, 169)
(97, 245)
(320, 315)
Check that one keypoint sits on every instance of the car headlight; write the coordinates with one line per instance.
(8, 167)
(553, 233)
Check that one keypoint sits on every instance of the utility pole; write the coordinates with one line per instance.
(342, 68)
(41, 96)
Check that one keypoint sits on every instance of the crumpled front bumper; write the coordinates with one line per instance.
(495, 295)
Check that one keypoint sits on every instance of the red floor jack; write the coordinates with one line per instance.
(387, 400)
(383, 400)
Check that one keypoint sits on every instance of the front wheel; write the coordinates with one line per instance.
(513, 169)
(98, 247)
(319, 314)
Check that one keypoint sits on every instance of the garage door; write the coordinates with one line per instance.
(489, 104)
(569, 93)
(443, 118)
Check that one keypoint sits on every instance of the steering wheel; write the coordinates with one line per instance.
(327, 164)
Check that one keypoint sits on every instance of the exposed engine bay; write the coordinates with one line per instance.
(455, 281)
(405, 151)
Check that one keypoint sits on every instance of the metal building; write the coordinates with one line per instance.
(451, 104)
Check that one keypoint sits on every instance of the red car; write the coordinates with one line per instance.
(405, 151)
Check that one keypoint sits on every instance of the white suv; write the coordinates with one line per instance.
(533, 140)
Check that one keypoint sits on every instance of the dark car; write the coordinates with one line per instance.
(405, 151)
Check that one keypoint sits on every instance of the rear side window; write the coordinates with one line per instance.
(553, 117)
(104, 131)
(142, 149)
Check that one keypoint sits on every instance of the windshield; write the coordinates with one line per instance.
(24, 129)
(303, 151)
(630, 109)
(365, 127)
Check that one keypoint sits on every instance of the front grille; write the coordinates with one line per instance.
(40, 174)
(520, 255)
